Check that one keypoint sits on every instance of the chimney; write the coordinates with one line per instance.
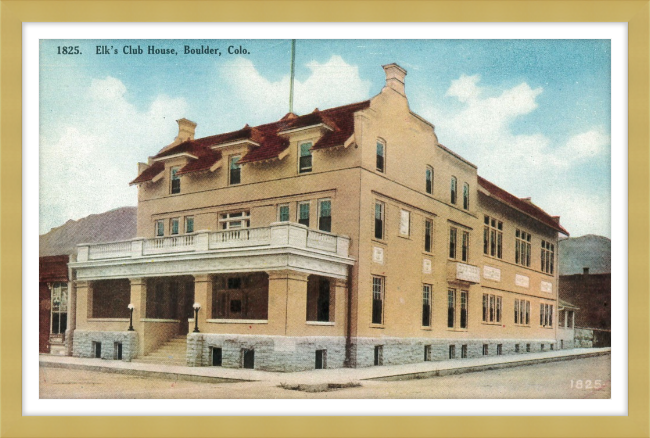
(556, 219)
(395, 78)
(186, 130)
(585, 271)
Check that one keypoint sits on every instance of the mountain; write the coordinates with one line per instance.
(113, 225)
(589, 251)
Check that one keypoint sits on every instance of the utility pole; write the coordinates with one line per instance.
(293, 66)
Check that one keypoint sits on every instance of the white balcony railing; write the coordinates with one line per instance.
(279, 234)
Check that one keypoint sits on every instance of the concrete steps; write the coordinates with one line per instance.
(171, 352)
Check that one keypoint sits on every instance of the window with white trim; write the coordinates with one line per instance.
(429, 180)
(492, 308)
(381, 155)
(377, 299)
(235, 170)
(426, 305)
(283, 213)
(160, 228)
(189, 224)
(304, 164)
(522, 312)
(548, 256)
(428, 235)
(492, 237)
(522, 248)
(174, 224)
(235, 220)
(59, 312)
(380, 208)
(325, 215)
(466, 196)
(303, 213)
(175, 180)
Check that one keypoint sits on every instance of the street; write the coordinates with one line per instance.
(579, 379)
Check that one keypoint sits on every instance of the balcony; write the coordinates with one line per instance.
(282, 245)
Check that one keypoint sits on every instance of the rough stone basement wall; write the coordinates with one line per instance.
(83, 344)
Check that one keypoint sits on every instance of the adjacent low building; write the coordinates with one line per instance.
(345, 237)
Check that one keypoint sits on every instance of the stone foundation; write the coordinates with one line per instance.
(272, 353)
(84, 344)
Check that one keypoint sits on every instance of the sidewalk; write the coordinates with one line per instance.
(319, 377)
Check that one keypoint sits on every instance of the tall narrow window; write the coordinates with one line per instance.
(463, 309)
(516, 311)
(59, 320)
(547, 257)
(404, 223)
(174, 225)
(454, 188)
(176, 180)
(527, 322)
(499, 308)
(283, 213)
(325, 215)
(465, 247)
(485, 307)
(377, 300)
(492, 307)
(522, 248)
(305, 158)
(160, 228)
(492, 237)
(381, 154)
(303, 213)
(428, 234)
(235, 170)
(189, 224)
(466, 196)
(452, 242)
(429, 180)
(379, 220)
(451, 307)
(426, 305)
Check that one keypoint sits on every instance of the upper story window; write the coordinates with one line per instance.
(428, 235)
(454, 189)
(189, 224)
(235, 170)
(235, 220)
(325, 215)
(381, 155)
(453, 234)
(379, 219)
(176, 180)
(464, 255)
(522, 248)
(405, 223)
(174, 225)
(305, 158)
(466, 196)
(548, 256)
(429, 180)
(492, 237)
(303, 213)
(283, 213)
(160, 228)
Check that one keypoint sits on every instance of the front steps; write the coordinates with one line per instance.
(171, 352)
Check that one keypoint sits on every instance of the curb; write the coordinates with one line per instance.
(144, 373)
(478, 368)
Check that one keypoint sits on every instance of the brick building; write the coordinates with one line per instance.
(345, 237)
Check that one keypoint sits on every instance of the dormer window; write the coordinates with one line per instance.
(305, 158)
(176, 180)
(235, 170)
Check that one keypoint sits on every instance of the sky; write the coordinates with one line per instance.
(533, 115)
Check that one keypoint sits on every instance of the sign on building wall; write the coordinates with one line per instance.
(522, 281)
(491, 273)
(468, 273)
(378, 255)
(547, 287)
(426, 266)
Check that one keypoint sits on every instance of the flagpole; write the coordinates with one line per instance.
(293, 63)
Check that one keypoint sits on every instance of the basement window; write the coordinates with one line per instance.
(452, 352)
(486, 350)
(216, 357)
(379, 355)
(117, 351)
(97, 350)
(427, 353)
(463, 351)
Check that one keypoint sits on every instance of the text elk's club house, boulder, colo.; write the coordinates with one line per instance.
(347, 237)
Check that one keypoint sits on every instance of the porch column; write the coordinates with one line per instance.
(288, 302)
(72, 317)
(84, 302)
(573, 319)
(139, 301)
(566, 319)
(203, 296)
(340, 302)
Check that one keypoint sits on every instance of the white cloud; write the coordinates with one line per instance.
(87, 163)
(330, 84)
(526, 163)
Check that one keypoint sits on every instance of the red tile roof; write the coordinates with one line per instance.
(526, 207)
(53, 268)
(339, 119)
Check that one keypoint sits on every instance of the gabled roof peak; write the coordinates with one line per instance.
(289, 116)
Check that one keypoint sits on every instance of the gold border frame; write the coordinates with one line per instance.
(12, 13)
